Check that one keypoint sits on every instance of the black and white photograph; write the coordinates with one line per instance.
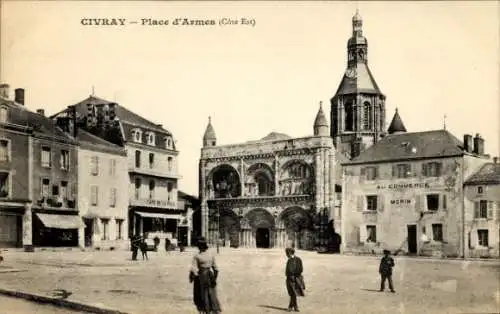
(171, 157)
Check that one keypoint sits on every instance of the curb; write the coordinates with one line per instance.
(59, 302)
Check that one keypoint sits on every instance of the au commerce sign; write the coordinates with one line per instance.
(403, 186)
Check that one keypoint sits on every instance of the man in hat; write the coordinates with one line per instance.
(385, 270)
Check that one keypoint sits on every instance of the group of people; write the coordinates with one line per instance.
(204, 272)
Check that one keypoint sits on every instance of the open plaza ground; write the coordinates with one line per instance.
(252, 281)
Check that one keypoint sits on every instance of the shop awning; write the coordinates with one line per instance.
(61, 221)
(159, 215)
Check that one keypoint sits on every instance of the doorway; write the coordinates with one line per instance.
(89, 231)
(262, 238)
(412, 239)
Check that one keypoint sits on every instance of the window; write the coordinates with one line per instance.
(137, 188)
(170, 161)
(481, 209)
(401, 171)
(105, 226)
(94, 195)
(119, 227)
(367, 116)
(371, 232)
(170, 187)
(64, 160)
(137, 158)
(371, 173)
(112, 167)
(94, 165)
(4, 150)
(437, 232)
(4, 184)
(112, 196)
(432, 202)
(137, 134)
(151, 139)
(4, 112)
(432, 169)
(64, 189)
(168, 142)
(45, 187)
(479, 190)
(349, 117)
(151, 189)
(55, 190)
(371, 202)
(46, 157)
(151, 160)
(482, 237)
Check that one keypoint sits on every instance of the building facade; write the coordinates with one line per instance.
(405, 193)
(151, 161)
(482, 212)
(102, 192)
(274, 192)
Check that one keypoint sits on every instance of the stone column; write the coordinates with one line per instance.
(276, 175)
(242, 176)
(28, 228)
(81, 234)
(332, 166)
(317, 174)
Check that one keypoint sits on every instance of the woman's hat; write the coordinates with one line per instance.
(387, 252)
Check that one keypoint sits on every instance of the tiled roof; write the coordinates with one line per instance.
(396, 124)
(320, 118)
(92, 142)
(41, 125)
(122, 113)
(209, 132)
(488, 174)
(362, 81)
(415, 145)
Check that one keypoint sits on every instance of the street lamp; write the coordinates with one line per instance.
(218, 227)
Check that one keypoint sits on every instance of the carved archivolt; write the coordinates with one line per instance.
(296, 178)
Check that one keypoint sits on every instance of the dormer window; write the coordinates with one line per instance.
(137, 135)
(168, 142)
(151, 139)
(4, 112)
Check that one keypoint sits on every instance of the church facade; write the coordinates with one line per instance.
(274, 192)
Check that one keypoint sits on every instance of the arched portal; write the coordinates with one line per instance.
(224, 182)
(224, 227)
(295, 228)
(260, 180)
(258, 229)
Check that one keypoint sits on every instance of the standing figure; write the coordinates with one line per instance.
(203, 275)
(135, 242)
(144, 249)
(294, 280)
(385, 270)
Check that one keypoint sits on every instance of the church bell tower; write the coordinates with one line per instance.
(358, 107)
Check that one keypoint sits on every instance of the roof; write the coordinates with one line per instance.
(123, 114)
(41, 125)
(92, 142)
(488, 174)
(396, 124)
(415, 145)
(361, 81)
(193, 200)
(320, 118)
(209, 132)
(275, 136)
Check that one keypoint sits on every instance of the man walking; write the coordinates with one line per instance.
(294, 280)
(385, 270)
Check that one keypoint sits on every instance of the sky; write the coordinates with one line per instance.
(430, 59)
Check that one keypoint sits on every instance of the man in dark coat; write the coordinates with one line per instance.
(294, 280)
(135, 241)
(385, 270)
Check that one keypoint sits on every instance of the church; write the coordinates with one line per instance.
(361, 187)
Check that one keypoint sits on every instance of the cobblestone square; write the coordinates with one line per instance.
(252, 281)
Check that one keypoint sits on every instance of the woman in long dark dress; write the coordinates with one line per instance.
(203, 275)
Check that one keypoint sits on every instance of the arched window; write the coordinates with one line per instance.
(349, 117)
(137, 135)
(151, 139)
(367, 116)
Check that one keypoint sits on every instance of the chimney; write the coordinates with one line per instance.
(41, 112)
(19, 96)
(468, 143)
(478, 145)
(4, 90)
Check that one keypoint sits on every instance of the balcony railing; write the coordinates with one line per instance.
(157, 203)
(56, 202)
(154, 172)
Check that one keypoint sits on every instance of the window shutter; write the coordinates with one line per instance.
(439, 168)
(394, 170)
(380, 201)
(476, 209)
(424, 170)
(490, 210)
(362, 233)
(376, 172)
(360, 199)
(473, 238)
(362, 174)
(444, 205)
(418, 203)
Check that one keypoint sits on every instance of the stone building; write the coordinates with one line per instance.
(482, 212)
(102, 192)
(42, 174)
(151, 162)
(273, 192)
(405, 193)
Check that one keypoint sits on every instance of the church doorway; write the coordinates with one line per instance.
(262, 238)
